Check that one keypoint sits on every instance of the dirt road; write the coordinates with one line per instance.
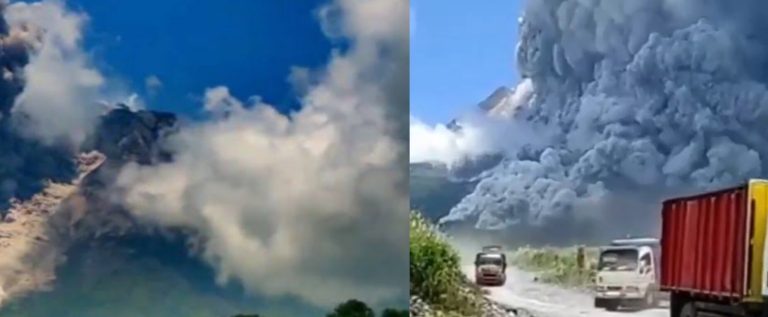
(543, 300)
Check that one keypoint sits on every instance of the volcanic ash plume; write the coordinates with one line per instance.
(648, 96)
(15, 45)
(313, 205)
(59, 78)
(29, 244)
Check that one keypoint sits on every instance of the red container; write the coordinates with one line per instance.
(704, 244)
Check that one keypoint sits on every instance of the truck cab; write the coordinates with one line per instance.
(490, 267)
(627, 274)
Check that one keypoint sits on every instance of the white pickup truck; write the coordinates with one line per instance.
(628, 274)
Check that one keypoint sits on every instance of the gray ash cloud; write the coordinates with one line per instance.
(126, 135)
(48, 102)
(659, 97)
(281, 205)
(24, 163)
(284, 204)
(15, 46)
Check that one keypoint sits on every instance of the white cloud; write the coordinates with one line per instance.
(134, 102)
(313, 205)
(219, 101)
(481, 133)
(153, 84)
(438, 143)
(59, 98)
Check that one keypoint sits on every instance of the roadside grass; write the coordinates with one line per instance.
(435, 270)
(558, 265)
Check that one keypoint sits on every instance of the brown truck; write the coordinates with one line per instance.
(490, 267)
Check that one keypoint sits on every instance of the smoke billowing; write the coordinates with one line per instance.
(15, 43)
(59, 102)
(313, 204)
(49, 95)
(33, 120)
(654, 97)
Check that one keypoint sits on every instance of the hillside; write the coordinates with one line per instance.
(28, 240)
(70, 250)
(432, 190)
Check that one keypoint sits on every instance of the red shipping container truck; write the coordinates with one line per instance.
(713, 248)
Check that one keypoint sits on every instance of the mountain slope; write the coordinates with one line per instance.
(30, 247)
(74, 251)
(433, 192)
(435, 188)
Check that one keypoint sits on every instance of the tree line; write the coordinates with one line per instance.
(353, 308)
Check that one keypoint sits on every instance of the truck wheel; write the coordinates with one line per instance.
(688, 310)
(598, 303)
(650, 300)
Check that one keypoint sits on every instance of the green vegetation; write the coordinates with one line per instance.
(389, 312)
(436, 275)
(138, 288)
(558, 266)
(354, 308)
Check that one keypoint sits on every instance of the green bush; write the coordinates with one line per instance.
(352, 308)
(436, 275)
(557, 266)
(391, 312)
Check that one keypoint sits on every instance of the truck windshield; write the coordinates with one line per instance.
(490, 261)
(618, 260)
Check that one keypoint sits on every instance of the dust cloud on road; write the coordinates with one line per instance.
(544, 300)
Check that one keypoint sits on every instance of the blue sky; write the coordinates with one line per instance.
(190, 45)
(461, 51)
